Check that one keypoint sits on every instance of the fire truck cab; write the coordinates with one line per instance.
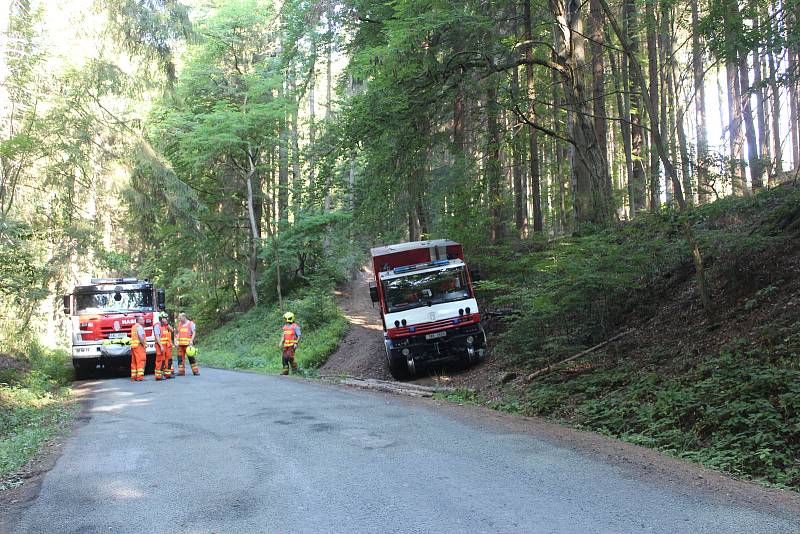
(106, 308)
(427, 305)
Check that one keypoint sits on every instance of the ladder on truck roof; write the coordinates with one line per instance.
(439, 244)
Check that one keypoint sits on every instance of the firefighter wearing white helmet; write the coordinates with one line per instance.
(289, 341)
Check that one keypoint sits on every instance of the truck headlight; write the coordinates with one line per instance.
(470, 340)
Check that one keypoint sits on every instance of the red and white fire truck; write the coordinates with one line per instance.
(427, 304)
(105, 310)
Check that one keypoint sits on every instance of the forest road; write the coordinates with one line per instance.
(240, 452)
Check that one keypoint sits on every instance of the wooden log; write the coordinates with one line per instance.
(549, 368)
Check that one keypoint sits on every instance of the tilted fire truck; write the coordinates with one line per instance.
(427, 304)
(105, 310)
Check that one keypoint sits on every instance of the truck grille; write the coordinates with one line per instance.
(434, 326)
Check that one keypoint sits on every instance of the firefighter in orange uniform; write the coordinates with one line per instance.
(289, 341)
(138, 354)
(162, 333)
(186, 333)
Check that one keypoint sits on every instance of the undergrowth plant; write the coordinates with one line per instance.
(250, 340)
(35, 404)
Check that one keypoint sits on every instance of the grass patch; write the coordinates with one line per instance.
(35, 404)
(250, 341)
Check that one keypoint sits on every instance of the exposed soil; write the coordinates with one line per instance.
(361, 354)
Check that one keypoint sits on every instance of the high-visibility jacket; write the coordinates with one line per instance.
(185, 333)
(290, 337)
(135, 335)
(166, 335)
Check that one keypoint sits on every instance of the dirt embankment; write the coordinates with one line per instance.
(361, 353)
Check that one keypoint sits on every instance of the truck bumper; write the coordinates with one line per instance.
(85, 354)
(463, 344)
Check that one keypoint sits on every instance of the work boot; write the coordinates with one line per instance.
(195, 370)
(181, 370)
(285, 370)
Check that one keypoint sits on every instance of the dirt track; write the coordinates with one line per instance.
(361, 353)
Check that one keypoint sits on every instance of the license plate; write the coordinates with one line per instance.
(436, 335)
(116, 335)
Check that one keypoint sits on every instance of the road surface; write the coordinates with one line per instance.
(238, 452)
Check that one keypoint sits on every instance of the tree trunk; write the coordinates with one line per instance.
(665, 82)
(637, 185)
(775, 102)
(312, 126)
(518, 151)
(493, 175)
(761, 112)
(794, 106)
(589, 165)
(255, 231)
(735, 128)
(560, 156)
(297, 179)
(680, 112)
(700, 108)
(652, 69)
(283, 164)
(624, 111)
(756, 172)
(328, 99)
(598, 86)
(533, 135)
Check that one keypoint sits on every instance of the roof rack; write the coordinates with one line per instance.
(407, 268)
(116, 280)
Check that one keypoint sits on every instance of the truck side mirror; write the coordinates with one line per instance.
(373, 292)
(161, 299)
(475, 274)
(65, 300)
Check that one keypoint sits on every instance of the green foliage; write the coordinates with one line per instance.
(574, 291)
(19, 270)
(737, 411)
(34, 405)
(250, 340)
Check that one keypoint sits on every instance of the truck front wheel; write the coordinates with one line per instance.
(398, 366)
(83, 369)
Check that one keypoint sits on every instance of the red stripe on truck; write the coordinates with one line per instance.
(433, 326)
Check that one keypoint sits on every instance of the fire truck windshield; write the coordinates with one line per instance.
(422, 289)
(113, 301)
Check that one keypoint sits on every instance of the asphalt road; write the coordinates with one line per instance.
(236, 452)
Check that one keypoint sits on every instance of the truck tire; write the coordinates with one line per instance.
(398, 366)
(82, 370)
(399, 370)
